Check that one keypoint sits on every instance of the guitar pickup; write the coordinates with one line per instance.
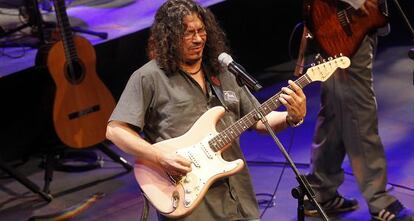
(84, 112)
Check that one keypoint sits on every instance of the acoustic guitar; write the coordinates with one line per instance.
(175, 196)
(82, 103)
(338, 27)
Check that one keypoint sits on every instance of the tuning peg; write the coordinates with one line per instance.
(340, 54)
(313, 65)
(330, 59)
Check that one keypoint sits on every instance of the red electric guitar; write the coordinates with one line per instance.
(338, 27)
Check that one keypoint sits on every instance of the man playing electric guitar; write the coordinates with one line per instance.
(165, 97)
(348, 125)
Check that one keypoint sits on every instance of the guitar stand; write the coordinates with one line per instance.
(36, 22)
(51, 162)
(47, 6)
(23, 180)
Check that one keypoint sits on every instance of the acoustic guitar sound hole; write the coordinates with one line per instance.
(75, 72)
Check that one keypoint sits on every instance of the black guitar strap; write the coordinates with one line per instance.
(218, 90)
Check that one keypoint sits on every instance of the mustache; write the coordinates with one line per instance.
(197, 45)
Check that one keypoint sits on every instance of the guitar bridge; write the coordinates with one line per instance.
(84, 112)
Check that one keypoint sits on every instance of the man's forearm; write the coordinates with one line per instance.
(355, 3)
(130, 141)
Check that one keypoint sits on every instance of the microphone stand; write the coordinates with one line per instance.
(304, 187)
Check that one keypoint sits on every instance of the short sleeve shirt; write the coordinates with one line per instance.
(165, 106)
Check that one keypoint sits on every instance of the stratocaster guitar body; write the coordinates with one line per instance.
(203, 145)
(341, 29)
(176, 198)
(82, 103)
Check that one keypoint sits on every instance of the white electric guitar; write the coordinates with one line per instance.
(202, 145)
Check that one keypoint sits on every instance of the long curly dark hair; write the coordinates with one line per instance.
(167, 31)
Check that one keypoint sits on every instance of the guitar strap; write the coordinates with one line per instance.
(300, 62)
(218, 90)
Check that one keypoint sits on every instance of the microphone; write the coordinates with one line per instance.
(239, 71)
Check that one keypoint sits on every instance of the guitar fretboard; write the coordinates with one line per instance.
(65, 31)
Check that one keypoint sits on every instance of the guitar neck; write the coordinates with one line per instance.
(65, 30)
(319, 72)
(236, 129)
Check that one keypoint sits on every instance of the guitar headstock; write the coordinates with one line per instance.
(324, 70)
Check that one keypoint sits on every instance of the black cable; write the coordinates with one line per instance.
(5, 54)
(3, 47)
(272, 196)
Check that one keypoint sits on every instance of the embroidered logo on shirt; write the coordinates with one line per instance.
(230, 96)
(215, 81)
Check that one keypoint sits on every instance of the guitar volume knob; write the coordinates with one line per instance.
(187, 179)
(187, 202)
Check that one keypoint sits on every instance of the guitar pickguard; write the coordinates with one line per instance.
(206, 164)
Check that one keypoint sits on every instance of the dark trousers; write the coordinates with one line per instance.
(347, 125)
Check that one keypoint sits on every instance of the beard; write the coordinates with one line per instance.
(193, 59)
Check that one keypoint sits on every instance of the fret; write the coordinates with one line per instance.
(223, 138)
(265, 108)
(307, 80)
(242, 125)
(273, 102)
(226, 138)
(238, 127)
(213, 145)
(350, 10)
(220, 141)
(316, 73)
(65, 31)
(231, 133)
(252, 118)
